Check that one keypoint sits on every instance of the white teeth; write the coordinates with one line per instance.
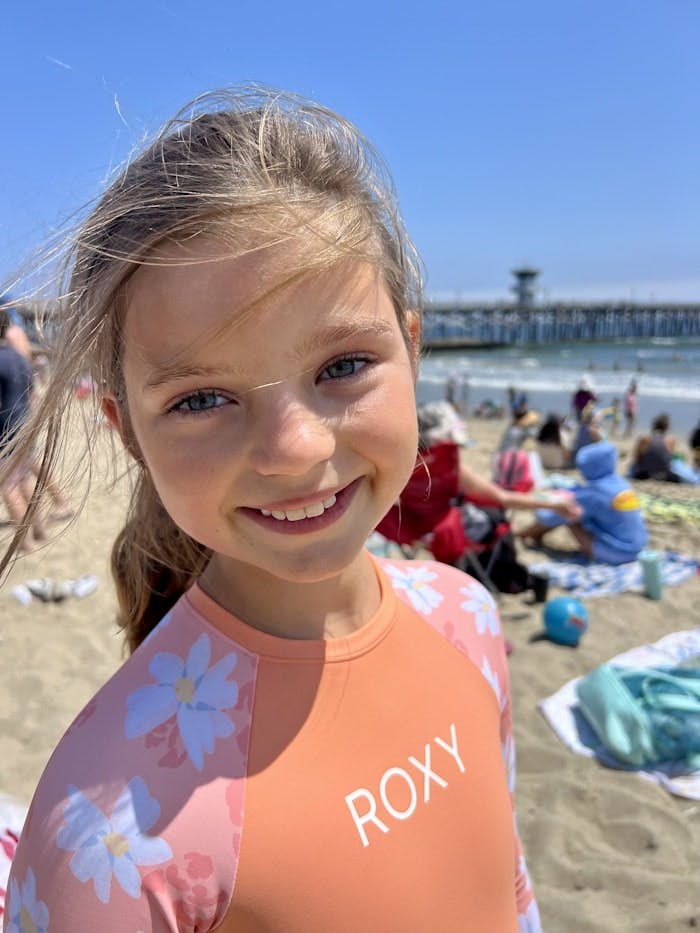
(295, 515)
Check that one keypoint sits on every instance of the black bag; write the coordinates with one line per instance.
(505, 571)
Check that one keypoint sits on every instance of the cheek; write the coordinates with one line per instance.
(392, 430)
(185, 472)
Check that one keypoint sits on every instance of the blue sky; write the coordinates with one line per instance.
(562, 133)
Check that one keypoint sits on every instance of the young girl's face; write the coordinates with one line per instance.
(277, 436)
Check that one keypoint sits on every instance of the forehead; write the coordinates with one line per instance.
(185, 295)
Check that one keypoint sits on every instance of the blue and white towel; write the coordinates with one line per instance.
(589, 580)
(562, 712)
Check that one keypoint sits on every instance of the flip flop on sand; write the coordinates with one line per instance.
(54, 591)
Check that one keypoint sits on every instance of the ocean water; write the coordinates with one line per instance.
(667, 371)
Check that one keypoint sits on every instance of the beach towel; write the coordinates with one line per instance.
(590, 580)
(562, 712)
(663, 509)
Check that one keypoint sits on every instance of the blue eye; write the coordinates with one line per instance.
(200, 401)
(344, 367)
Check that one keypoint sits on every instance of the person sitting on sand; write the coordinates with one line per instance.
(478, 488)
(440, 421)
(519, 430)
(611, 528)
(551, 444)
(694, 444)
(589, 431)
(653, 453)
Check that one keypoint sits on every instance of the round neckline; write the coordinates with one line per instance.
(270, 646)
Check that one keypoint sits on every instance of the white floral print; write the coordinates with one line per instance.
(193, 692)
(414, 582)
(25, 914)
(529, 922)
(492, 677)
(480, 603)
(115, 846)
(509, 761)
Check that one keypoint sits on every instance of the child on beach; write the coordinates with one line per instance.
(631, 404)
(611, 527)
(304, 738)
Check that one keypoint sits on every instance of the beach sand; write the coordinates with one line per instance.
(607, 851)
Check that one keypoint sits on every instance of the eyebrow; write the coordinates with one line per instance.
(347, 330)
(165, 373)
(174, 372)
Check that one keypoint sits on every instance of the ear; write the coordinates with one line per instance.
(111, 411)
(415, 330)
(115, 419)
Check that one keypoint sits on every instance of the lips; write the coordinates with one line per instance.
(296, 515)
(314, 517)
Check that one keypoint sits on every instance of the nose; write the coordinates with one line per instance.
(290, 437)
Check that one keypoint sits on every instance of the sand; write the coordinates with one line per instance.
(607, 851)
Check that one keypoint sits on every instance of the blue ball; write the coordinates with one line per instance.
(565, 620)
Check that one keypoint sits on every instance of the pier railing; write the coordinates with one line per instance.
(463, 325)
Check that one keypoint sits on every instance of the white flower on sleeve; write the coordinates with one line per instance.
(522, 870)
(113, 846)
(414, 582)
(24, 912)
(492, 677)
(529, 922)
(481, 605)
(189, 689)
(508, 749)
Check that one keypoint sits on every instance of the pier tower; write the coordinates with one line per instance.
(525, 286)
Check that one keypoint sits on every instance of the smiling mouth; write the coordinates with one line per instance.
(309, 518)
(296, 515)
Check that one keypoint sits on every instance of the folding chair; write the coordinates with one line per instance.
(428, 513)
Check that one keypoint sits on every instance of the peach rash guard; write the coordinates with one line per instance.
(226, 779)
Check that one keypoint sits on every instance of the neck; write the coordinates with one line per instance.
(323, 609)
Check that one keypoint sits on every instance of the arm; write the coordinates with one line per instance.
(476, 487)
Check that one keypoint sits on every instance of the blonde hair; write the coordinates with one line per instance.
(254, 167)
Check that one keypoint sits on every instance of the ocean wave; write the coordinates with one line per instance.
(547, 380)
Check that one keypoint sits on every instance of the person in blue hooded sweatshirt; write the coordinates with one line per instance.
(611, 527)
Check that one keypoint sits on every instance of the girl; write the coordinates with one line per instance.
(304, 738)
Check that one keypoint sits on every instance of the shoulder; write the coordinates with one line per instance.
(131, 816)
(427, 584)
(457, 607)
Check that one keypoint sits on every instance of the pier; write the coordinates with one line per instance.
(463, 326)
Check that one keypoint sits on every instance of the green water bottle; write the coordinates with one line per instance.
(651, 573)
